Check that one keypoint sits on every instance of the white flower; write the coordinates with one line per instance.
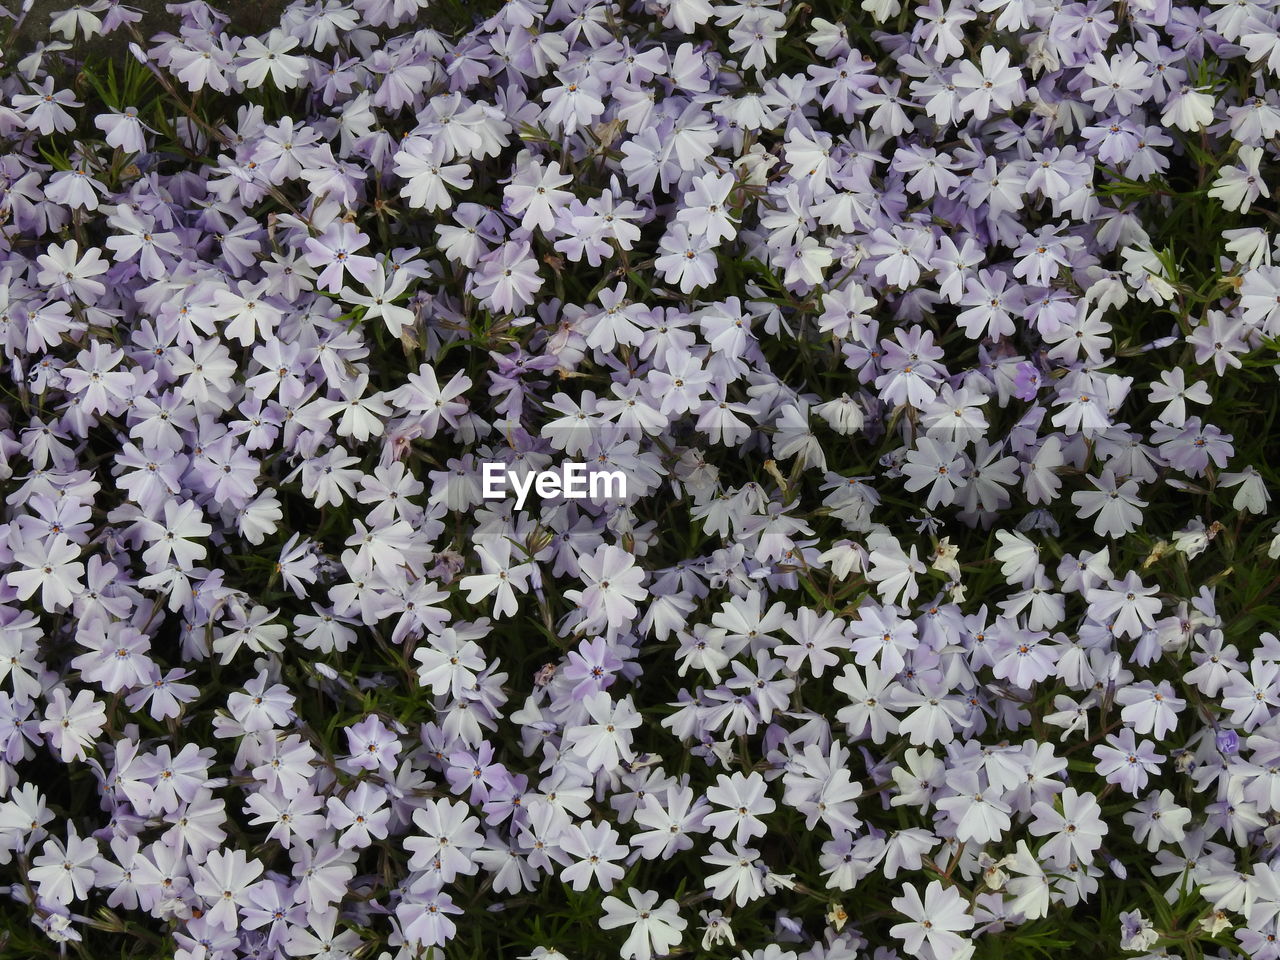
(607, 740)
(1194, 537)
(1030, 891)
(1117, 505)
(1252, 496)
(1019, 558)
(260, 60)
(423, 164)
(944, 559)
(893, 571)
(1136, 932)
(882, 10)
(716, 929)
(1188, 109)
(1239, 186)
(936, 920)
(742, 876)
(653, 931)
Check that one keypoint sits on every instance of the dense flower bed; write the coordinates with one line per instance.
(935, 346)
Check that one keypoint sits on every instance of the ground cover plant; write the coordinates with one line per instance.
(934, 615)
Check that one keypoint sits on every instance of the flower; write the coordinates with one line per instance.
(63, 269)
(335, 251)
(744, 801)
(1116, 504)
(63, 873)
(936, 919)
(596, 849)
(1127, 762)
(605, 741)
(223, 881)
(1136, 932)
(655, 928)
(49, 566)
(448, 837)
(943, 435)
(73, 724)
(1073, 824)
(613, 585)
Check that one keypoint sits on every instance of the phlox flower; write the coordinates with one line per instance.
(75, 188)
(1252, 495)
(935, 464)
(140, 239)
(1126, 761)
(976, 812)
(101, 386)
(742, 876)
(448, 663)
(894, 571)
(423, 163)
(1117, 506)
(575, 102)
(592, 667)
(1172, 390)
(1073, 824)
(938, 919)
(670, 823)
(64, 873)
(814, 637)
(534, 193)
(250, 627)
(45, 108)
(654, 929)
(335, 251)
(1030, 891)
(223, 881)
(508, 277)
(361, 815)
(320, 937)
(992, 83)
(597, 851)
(373, 745)
(116, 660)
(1249, 697)
(931, 715)
(1127, 605)
(379, 302)
(1136, 932)
(72, 725)
(424, 918)
(502, 576)
(448, 836)
(1150, 708)
(606, 739)
(50, 566)
(63, 269)
(870, 693)
(705, 212)
(201, 61)
(879, 632)
(613, 585)
(744, 801)
(686, 260)
(1158, 820)
(1188, 109)
(270, 58)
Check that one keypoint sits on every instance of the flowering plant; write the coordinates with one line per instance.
(932, 348)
